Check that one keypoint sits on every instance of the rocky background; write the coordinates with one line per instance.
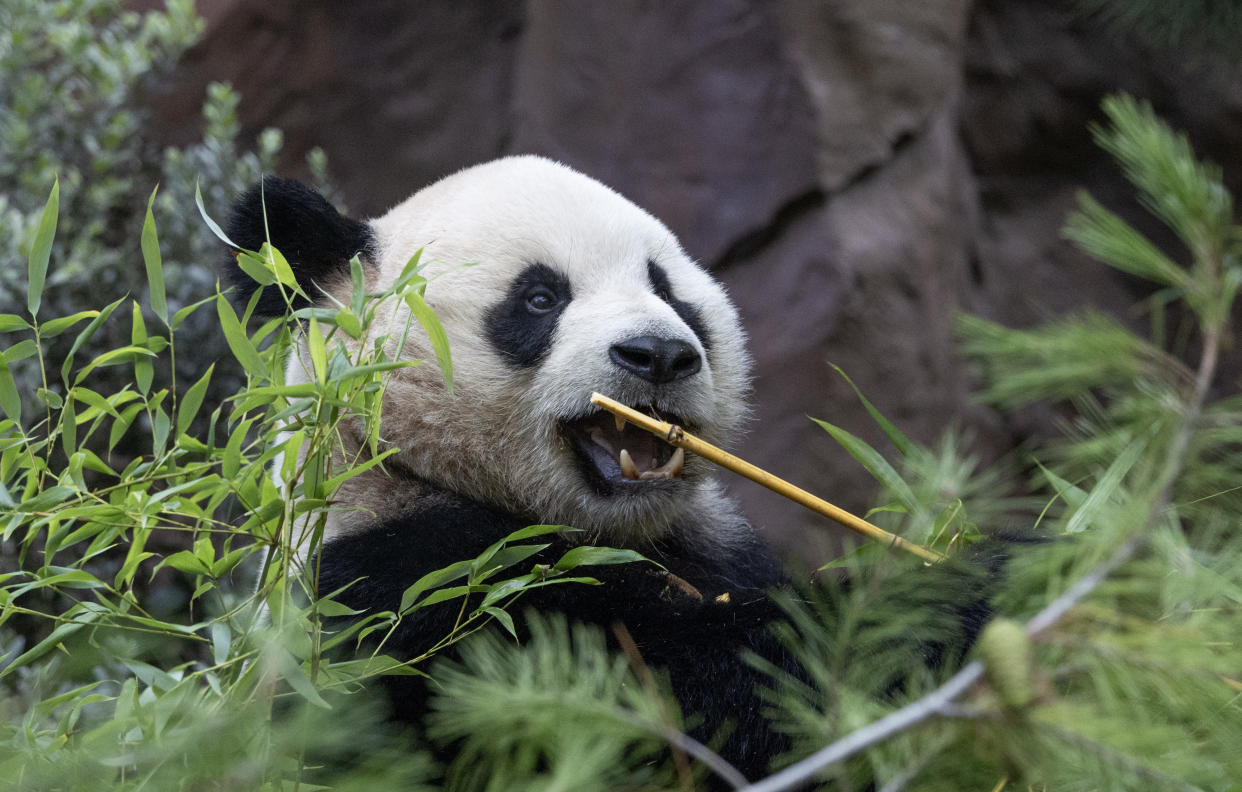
(856, 171)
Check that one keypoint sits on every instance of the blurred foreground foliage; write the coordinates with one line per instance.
(1118, 666)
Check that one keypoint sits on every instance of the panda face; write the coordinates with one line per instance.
(551, 286)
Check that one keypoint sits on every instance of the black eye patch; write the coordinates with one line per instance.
(520, 327)
(688, 313)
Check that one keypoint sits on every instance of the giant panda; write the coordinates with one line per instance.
(549, 286)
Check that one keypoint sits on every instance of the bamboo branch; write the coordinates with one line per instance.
(675, 435)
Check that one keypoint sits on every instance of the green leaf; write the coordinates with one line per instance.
(187, 562)
(193, 399)
(875, 464)
(439, 577)
(275, 262)
(452, 592)
(215, 229)
(50, 398)
(10, 399)
(20, 351)
(86, 335)
(78, 620)
(595, 556)
(144, 371)
(435, 333)
(358, 289)
(114, 357)
(505, 619)
(154, 263)
(255, 267)
(11, 322)
(894, 435)
(59, 325)
(41, 250)
(330, 485)
(319, 355)
(122, 424)
(93, 399)
(296, 677)
(180, 316)
(1108, 485)
(506, 588)
(238, 341)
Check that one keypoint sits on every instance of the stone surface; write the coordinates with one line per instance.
(855, 171)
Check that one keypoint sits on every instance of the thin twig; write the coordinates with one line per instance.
(892, 723)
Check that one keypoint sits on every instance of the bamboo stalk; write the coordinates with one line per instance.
(675, 435)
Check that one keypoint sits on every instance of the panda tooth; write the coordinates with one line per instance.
(620, 423)
(670, 469)
(628, 468)
(676, 463)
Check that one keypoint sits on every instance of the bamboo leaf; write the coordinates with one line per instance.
(10, 399)
(154, 263)
(894, 435)
(78, 620)
(190, 403)
(875, 464)
(238, 341)
(86, 335)
(435, 333)
(215, 228)
(60, 324)
(319, 355)
(11, 322)
(595, 556)
(1108, 485)
(294, 674)
(41, 250)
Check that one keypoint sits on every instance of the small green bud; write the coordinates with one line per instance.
(1005, 649)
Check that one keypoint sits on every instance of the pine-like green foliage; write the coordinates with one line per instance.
(563, 713)
(1119, 667)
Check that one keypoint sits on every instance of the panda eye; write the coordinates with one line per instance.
(664, 294)
(540, 300)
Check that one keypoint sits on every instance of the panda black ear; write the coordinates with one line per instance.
(317, 240)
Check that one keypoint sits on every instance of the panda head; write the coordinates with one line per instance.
(549, 286)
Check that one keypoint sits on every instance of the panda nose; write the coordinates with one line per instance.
(655, 359)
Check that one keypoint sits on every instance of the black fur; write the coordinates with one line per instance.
(317, 240)
(688, 313)
(521, 326)
(698, 640)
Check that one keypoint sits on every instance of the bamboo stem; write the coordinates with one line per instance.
(675, 435)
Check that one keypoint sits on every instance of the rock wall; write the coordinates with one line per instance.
(856, 171)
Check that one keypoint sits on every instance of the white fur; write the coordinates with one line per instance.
(497, 439)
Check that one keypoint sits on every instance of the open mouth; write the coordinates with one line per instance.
(613, 453)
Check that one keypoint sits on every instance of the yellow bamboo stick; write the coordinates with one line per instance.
(675, 435)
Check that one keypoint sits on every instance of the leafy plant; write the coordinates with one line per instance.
(121, 690)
